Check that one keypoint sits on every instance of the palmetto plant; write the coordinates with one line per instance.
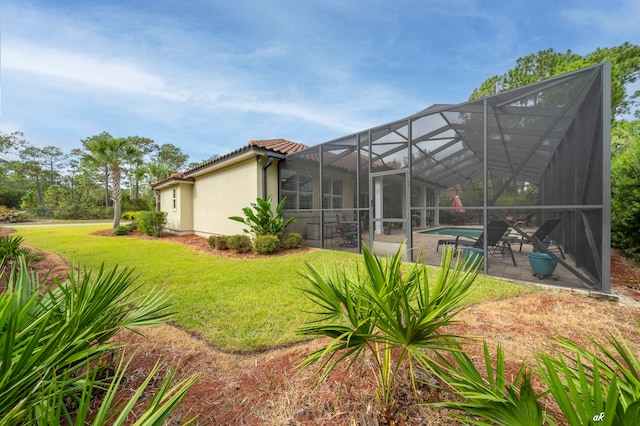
(10, 249)
(492, 400)
(600, 387)
(264, 221)
(51, 342)
(392, 315)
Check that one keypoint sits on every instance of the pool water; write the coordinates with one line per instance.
(454, 231)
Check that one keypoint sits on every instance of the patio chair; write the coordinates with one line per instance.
(497, 243)
(347, 233)
(539, 236)
(523, 221)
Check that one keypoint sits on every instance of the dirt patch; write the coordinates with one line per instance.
(266, 388)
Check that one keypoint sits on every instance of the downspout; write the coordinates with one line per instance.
(264, 177)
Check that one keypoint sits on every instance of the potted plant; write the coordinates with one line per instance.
(541, 263)
(388, 227)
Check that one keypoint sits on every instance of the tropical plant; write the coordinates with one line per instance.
(597, 386)
(386, 313)
(111, 153)
(11, 248)
(490, 401)
(53, 340)
(264, 221)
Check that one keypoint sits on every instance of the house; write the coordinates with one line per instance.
(540, 151)
(199, 201)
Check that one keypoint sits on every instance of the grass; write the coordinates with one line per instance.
(238, 305)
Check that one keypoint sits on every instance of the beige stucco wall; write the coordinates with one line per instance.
(180, 218)
(203, 207)
(223, 193)
(185, 196)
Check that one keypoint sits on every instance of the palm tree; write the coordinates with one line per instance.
(105, 150)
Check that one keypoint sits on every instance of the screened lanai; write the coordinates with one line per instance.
(536, 156)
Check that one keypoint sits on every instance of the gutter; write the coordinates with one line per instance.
(264, 177)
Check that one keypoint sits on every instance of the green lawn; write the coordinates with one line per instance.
(235, 304)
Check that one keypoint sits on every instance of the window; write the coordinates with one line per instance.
(298, 188)
(331, 193)
(174, 198)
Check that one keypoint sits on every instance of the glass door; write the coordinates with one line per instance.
(389, 225)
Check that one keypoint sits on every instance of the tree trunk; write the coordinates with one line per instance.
(117, 196)
(106, 186)
(39, 191)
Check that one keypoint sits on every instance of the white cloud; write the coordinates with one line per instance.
(85, 69)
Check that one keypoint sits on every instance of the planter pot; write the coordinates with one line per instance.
(472, 254)
(542, 264)
(386, 230)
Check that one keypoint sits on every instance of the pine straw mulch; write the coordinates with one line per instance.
(266, 388)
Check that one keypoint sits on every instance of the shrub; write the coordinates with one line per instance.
(122, 230)
(266, 244)
(222, 242)
(240, 243)
(151, 223)
(12, 216)
(292, 240)
(625, 191)
(212, 241)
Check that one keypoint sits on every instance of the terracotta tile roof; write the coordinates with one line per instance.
(282, 146)
(174, 177)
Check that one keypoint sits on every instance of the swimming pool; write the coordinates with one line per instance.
(454, 231)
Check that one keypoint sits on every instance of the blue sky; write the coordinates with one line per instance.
(209, 75)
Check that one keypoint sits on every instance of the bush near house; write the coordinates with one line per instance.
(151, 222)
(240, 243)
(266, 244)
(292, 240)
(221, 242)
(125, 229)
